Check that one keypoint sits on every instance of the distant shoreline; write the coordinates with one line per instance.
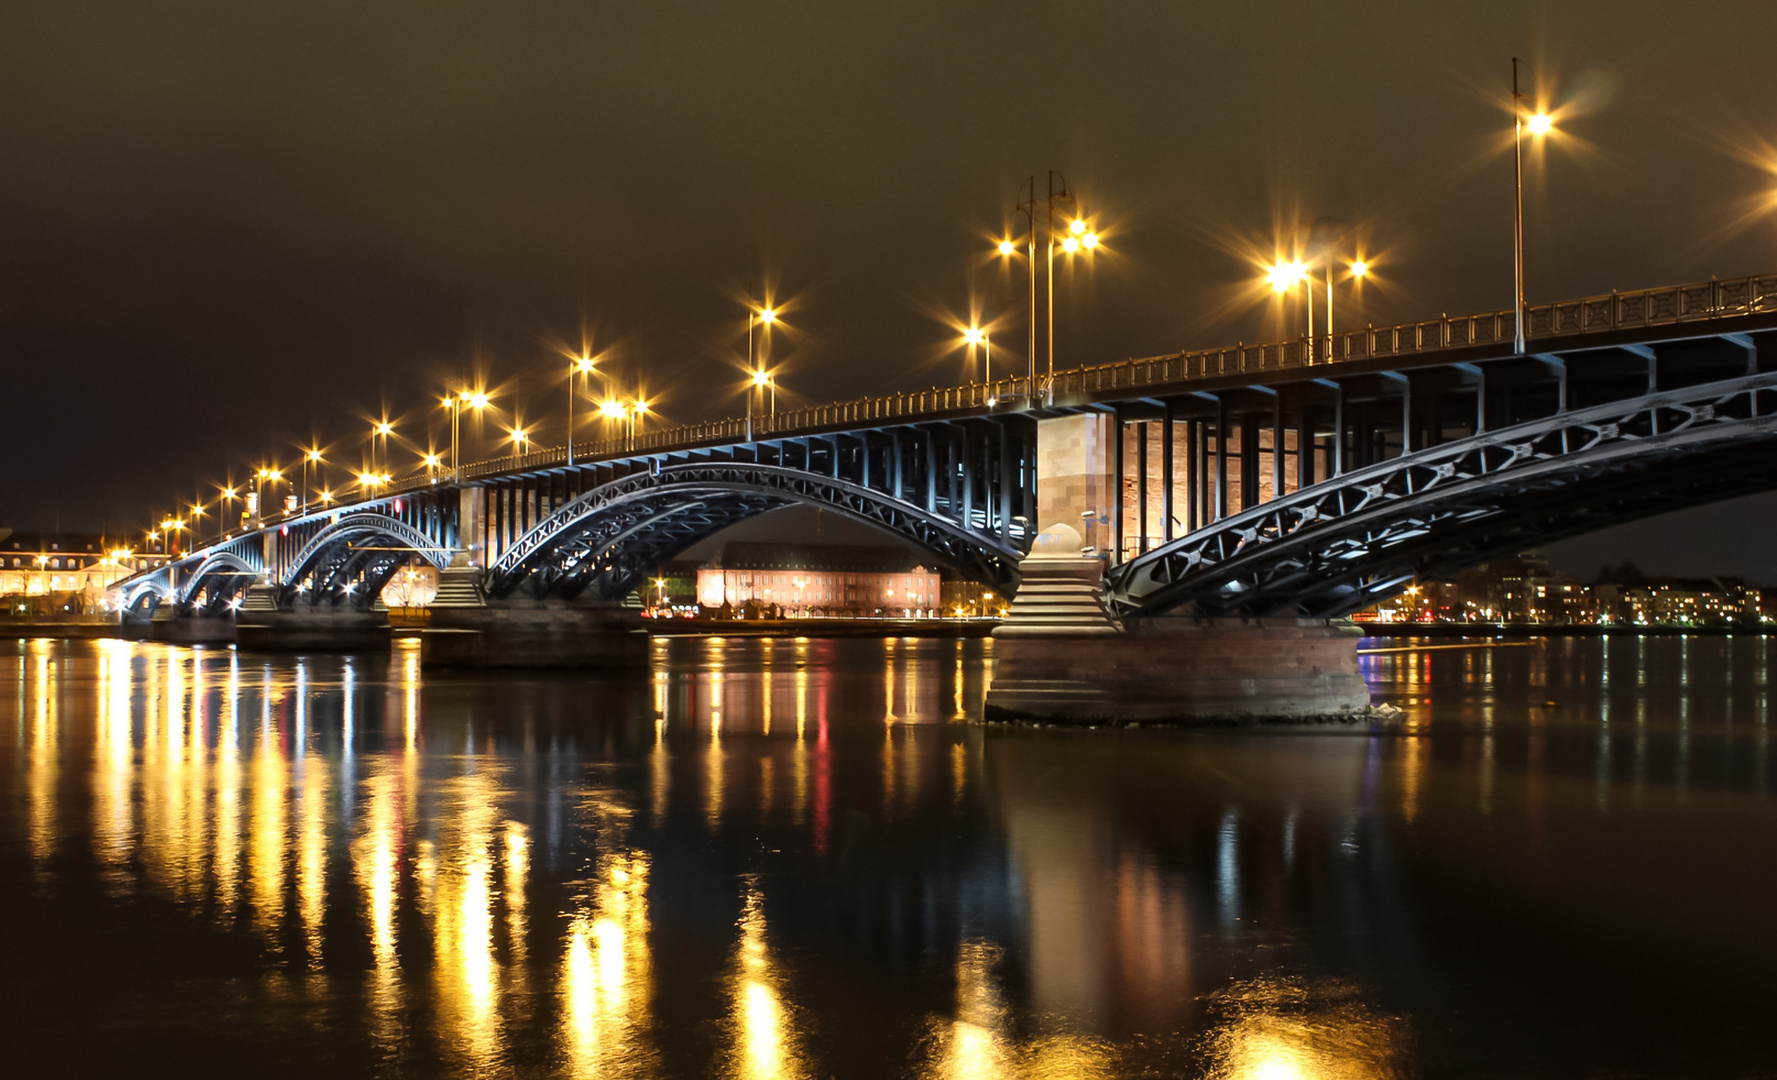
(1474, 630)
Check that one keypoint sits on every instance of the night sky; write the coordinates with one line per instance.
(226, 229)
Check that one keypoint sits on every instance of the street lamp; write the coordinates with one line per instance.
(1540, 124)
(228, 495)
(520, 439)
(311, 456)
(974, 336)
(1080, 237)
(455, 402)
(766, 317)
(1283, 276)
(578, 365)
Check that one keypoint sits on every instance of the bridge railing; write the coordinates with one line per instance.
(1698, 302)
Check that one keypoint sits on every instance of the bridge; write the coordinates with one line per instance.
(1277, 484)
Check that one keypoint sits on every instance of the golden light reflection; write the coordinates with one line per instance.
(462, 910)
(980, 1042)
(764, 1039)
(607, 973)
(45, 744)
(114, 757)
(377, 867)
(1285, 1029)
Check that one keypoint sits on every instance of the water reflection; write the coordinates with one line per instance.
(789, 859)
(764, 1038)
(1293, 1029)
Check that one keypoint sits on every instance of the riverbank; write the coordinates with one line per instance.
(1522, 630)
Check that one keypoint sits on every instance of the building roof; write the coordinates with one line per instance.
(78, 543)
(832, 558)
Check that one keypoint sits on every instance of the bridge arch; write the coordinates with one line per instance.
(222, 573)
(1341, 545)
(608, 538)
(363, 545)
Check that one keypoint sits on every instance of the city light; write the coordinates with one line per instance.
(1008, 248)
(767, 316)
(1540, 124)
(1076, 226)
(1360, 268)
(611, 408)
(760, 378)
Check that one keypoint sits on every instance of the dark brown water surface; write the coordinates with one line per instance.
(797, 859)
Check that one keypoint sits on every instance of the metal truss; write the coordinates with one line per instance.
(1344, 544)
(332, 556)
(218, 579)
(611, 536)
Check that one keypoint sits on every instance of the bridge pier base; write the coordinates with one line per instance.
(262, 626)
(193, 630)
(543, 635)
(1061, 657)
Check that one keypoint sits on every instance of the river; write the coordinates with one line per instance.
(801, 858)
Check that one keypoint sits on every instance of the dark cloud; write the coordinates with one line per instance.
(224, 227)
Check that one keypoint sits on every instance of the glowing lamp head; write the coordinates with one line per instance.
(1007, 247)
(641, 406)
(1077, 226)
(1283, 275)
(1540, 124)
(583, 363)
(760, 378)
(973, 335)
(229, 493)
(313, 455)
(1070, 245)
(1090, 240)
(385, 428)
(478, 401)
(611, 407)
(767, 316)
(1360, 269)
(431, 461)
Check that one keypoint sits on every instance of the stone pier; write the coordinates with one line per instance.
(1062, 656)
(464, 629)
(261, 625)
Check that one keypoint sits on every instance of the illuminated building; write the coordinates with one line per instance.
(805, 580)
(72, 570)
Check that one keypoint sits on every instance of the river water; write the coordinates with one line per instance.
(797, 858)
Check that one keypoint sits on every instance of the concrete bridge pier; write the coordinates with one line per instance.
(1062, 656)
(464, 629)
(261, 625)
(192, 629)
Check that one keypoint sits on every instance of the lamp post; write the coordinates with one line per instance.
(765, 316)
(579, 365)
(311, 456)
(1080, 237)
(228, 495)
(1539, 124)
(974, 335)
(455, 403)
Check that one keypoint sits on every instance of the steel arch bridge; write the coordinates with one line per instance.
(613, 535)
(1297, 477)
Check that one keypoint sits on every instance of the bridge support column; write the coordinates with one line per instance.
(1061, 656)
(464, 629)
(537, 634)
(261, 625)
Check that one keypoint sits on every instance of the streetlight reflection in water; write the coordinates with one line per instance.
(788, 858)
